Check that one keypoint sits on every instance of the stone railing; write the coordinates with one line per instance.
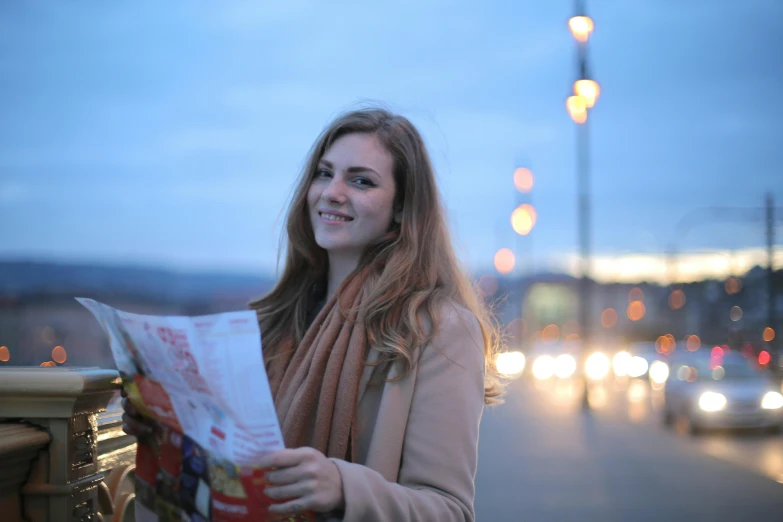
(63, 454)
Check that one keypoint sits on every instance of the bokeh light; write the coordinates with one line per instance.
(59, 354)
(597, 366)
(637, 367)
(635, 294)
(636, 310)
(543, 367)
(48, 364)
(5, 354)
(692, 343)
(764, 357)
(620, 363)
(733, 285)
(510, 364)
(504, 261)
(769, 334)
(587, 89)
(659, 372)
(523, 179)
(550, 333)
(609, 318)
(577, 108)
(523, 219)
(581, 27)
(565, 365)
(677, 299)
(736, 313)
(665, 344)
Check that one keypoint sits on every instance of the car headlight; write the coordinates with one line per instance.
(565, 366)
(597, 366)
(621, 362)
(712, 401)
(510, 363)
(543, 367)
(637, 367)
(772, 401)
(659, 372)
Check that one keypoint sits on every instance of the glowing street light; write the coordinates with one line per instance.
(636, 311)
(523, 180)
(523, 219)
(577, 108)
(768, 334)
(587, 89)
(504, 261)
(581, 27)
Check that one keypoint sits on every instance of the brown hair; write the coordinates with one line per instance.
(412, 270)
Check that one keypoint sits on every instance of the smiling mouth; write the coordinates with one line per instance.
(334, 217)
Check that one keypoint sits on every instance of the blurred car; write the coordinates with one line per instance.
(711, 390)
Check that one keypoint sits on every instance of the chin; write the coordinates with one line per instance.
(339, 248)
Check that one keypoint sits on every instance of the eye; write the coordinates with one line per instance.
(322, 173)
(364, 182)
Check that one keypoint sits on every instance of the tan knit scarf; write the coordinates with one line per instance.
(316, 386)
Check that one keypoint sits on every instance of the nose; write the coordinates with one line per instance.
(334, 192)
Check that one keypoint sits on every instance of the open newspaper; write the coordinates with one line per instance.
(202, 381)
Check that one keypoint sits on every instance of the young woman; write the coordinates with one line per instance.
(379, 354)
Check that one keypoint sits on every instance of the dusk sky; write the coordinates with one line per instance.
(170, 133)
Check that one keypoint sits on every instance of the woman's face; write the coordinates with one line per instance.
(351, 196)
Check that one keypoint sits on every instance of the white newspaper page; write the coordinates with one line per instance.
(211, 367)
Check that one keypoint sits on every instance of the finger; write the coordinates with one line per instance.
(294, 506)
(285, 458)
(134, 426)
(290, 491)
(129, 407)
(282, 476)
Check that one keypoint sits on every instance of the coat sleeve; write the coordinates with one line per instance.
(440, 449)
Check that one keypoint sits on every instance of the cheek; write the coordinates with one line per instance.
(382, 211)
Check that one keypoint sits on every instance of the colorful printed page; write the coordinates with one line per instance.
(204, 376)
(202, 379)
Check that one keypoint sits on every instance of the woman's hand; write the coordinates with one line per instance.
(133, 423)
(305, 478)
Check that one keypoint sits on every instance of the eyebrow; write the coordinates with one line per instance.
(350, 170)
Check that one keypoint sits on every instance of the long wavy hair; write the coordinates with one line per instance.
(411, 271)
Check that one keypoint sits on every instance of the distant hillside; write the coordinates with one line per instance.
(23, 278)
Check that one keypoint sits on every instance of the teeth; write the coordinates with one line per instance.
(332, 217)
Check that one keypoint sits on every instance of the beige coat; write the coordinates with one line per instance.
(417, 447)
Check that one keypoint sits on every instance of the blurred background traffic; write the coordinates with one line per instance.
(612, 173)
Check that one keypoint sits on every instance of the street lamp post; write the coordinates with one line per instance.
(585, 93)
(523, 220)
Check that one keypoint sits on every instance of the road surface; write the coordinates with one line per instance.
(542, 458)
